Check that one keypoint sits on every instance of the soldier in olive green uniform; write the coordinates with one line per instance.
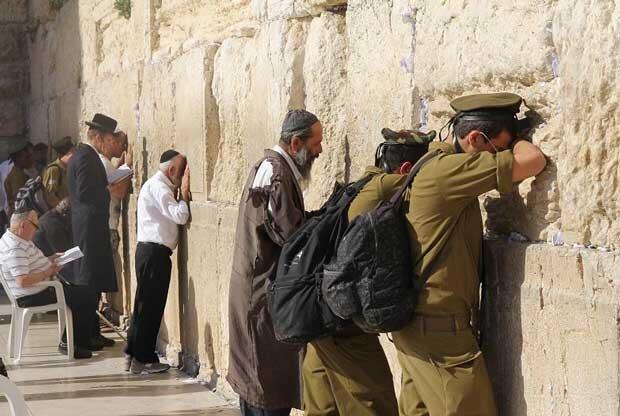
(348, 373)
(55, 175)
(444, 372)
(22, 160)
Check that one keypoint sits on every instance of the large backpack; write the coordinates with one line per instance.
(298, 311)
(370, 279)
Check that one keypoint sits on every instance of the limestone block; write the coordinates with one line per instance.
(14, 11)
(13, 81)
(13, 46)
(551, 330)
(38, 121)
(119, 42)
(325, 77)
(292, 9)
(256, 81)
(39, 10)
(65, 51)
(12, 117)
(589, 97)
(380, 79)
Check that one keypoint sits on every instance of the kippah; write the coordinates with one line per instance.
(168, 155)
(296, 120)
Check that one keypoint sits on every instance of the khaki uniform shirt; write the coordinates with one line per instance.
(55, 179)
(381, 186)
(15, 180)
(446, 225)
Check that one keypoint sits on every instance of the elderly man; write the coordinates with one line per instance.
(159, 215)
(113, 155)
(55, 175)
(24, 266)
(90, 204)
(264, 372)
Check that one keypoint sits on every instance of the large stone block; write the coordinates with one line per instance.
(256, 81)
(13, 81)
(325, 77)
(14, 11)
(12, 118)
(13, 45)
(292, 9)
(380, 76)
(551, 329)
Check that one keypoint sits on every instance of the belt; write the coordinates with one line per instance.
(446, 323)
(156, 246)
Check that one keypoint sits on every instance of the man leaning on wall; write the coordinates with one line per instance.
(444, 372)
(264, 372)
(159, 217)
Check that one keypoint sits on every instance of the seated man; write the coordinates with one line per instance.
(24, 266)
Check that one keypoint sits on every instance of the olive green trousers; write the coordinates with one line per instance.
(348, 376)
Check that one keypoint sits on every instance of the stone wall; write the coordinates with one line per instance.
(214, 78)
(13, 73)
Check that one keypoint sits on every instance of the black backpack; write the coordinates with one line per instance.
(370, 279)
(298, 311)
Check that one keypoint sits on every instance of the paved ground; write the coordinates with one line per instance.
(54, 386)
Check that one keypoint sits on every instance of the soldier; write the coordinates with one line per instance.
(444, 372)
(55, 175)
(22, 160)
(348, 373)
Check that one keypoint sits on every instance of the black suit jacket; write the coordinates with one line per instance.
(55, 236)
(90, 210)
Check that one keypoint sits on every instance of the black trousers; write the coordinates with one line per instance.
(153, 268)
(249, 410)
(80, 300)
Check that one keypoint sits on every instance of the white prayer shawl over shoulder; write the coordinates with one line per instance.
(159, 213)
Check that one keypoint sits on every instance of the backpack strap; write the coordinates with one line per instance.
(412, 174)
(352, 190)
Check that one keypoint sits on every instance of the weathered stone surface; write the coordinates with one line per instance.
(256, 81)
(555, 312)
(13, 46)
(380, 76)
(12, 122)
(13, 11)
(13, 81)
(325, 77)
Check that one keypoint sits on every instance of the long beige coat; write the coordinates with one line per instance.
(263, 371)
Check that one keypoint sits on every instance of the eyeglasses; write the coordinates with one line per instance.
(34, 224)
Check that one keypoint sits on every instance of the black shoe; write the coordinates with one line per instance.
(93, 346)
(79, 353)
(103, 341)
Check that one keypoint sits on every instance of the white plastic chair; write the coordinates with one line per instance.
(17, 404)
(20, 319)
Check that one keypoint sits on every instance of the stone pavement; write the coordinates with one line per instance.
(54, 386)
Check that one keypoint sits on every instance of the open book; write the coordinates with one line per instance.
(70, 255)
(119, 174)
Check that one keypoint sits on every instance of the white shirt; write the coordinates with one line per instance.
(159, 214)
(115, 203)
(20, 257)
(265, 172)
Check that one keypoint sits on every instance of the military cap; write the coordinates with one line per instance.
(506, 101)
(408, 137)
(63, 145)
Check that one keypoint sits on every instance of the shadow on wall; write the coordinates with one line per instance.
(190, 320)
(503, 327)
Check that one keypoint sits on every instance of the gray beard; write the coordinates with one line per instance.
(304, 162)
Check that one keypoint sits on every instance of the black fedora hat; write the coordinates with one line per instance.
(103, 123)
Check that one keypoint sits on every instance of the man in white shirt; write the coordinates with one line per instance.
(24, 266)
(159, 217)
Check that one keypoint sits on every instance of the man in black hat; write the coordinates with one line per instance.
(90, 205)
(264, 372)
(55, 175)
(159, 217)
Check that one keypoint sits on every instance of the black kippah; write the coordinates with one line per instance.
(168, 155)
(296, 120)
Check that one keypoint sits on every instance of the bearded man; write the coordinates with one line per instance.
(266, 373)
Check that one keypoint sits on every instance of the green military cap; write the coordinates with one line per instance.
(62, 145)
(408, 137)
(18, 147)
(506, 101)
